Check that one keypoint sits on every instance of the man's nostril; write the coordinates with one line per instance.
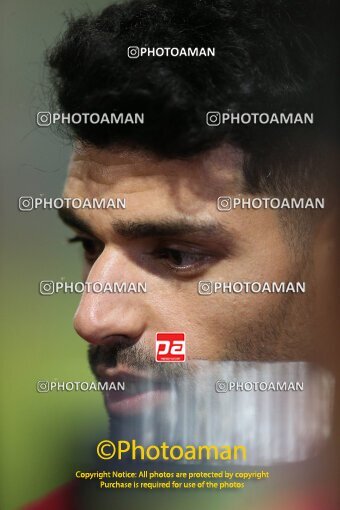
(120, 341)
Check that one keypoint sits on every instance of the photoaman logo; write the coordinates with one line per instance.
(107, 450)
(170, 347)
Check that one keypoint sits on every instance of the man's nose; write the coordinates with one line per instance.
(109, 318)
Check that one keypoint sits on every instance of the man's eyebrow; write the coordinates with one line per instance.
(156, 228)
(69, 217)
(168, 228)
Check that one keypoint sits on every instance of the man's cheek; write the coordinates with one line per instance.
(213, 328)
(209, 331)
(257, 264)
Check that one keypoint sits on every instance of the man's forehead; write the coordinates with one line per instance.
(103, 165)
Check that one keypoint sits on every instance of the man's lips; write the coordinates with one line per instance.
(140, 392)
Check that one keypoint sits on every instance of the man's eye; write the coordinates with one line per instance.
(180, 260)
(92, 249)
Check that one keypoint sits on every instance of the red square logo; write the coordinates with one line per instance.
(170, 347)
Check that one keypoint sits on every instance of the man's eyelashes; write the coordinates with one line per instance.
(161, 257)
(92, 248)
(183, 260)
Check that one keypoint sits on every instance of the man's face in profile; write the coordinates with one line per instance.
(171, 236)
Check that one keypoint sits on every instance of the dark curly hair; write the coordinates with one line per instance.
(271, 56)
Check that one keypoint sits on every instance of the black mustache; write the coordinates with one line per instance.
(136, 357)
(104, 355)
